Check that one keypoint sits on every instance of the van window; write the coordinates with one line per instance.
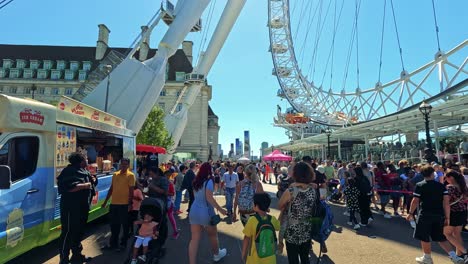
(21, 155)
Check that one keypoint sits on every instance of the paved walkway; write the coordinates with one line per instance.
(386, 241)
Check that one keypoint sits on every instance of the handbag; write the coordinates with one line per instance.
(214, 219)
(318, 214)
(457, 201)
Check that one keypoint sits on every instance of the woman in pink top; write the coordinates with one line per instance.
(145, 235)
(136, 203)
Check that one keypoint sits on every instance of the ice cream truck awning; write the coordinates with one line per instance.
(26, 114)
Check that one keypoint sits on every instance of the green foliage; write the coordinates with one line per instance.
(153, 131)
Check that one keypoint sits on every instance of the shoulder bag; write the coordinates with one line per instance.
(214, 219)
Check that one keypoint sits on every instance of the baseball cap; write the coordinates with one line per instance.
(321, 169)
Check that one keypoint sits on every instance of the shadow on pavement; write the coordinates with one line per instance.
(230, 236)
(396, 229)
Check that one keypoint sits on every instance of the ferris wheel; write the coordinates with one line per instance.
(323, 83)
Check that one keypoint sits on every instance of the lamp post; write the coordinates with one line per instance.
(328, 133)
(33, 89)
(272, 148)
(291, 142)
(211, 151)
(107, 69)
(251, 155)
(425, 109)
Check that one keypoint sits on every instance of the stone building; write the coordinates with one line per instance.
(45, 73)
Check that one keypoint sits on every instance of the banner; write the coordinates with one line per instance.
(77, 108)
(247, 144)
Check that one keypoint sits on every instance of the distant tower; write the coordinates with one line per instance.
(264, 145)
(247, 144)
(238, 147)
(231, 152)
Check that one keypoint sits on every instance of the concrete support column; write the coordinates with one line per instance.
(366, 146)
(339, 148)
(323, 152)
(436, 140)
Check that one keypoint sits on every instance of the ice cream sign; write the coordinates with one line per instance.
(72, 106)
(31, 116)
(95, 115)
(78, 110)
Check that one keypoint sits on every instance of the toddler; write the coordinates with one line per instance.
(145, 235)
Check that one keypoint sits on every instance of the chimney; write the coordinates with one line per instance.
(187, 47)
(144, 47)
(102, 42)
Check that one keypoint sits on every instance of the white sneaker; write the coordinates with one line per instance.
(424, 260)
(356, 227)
(350, 223)
(370, 220)
(457, 260)
(134, 261)
(361, 224)
(413, 224)
(143, 258)
(387, 215)
(346, 213)
(221, 254)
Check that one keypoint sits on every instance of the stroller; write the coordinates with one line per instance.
(156, 208)
(333, 188)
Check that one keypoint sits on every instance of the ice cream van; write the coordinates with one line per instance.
(35, 142)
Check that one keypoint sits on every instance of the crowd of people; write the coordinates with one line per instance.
(432, 197)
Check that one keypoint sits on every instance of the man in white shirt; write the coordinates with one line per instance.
(229, 182)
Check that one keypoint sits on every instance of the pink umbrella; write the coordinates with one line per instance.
(277, 156)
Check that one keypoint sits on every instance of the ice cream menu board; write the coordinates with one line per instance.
(66, 144)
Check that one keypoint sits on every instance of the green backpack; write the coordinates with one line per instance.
(265, 237)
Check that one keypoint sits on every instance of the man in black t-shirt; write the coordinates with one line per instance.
(187, 184)
(432, 199)
(152, 160)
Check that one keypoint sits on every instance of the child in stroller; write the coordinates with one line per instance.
(333, 188)
(146, 233)
(154, 209)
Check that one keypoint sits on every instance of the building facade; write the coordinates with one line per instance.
(45, 73)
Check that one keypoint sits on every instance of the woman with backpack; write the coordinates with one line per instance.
(299, 202)
(245, 191)
(396, 185)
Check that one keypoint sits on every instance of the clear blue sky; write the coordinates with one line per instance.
(244, 91)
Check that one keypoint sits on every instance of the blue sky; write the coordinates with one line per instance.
(244, 91)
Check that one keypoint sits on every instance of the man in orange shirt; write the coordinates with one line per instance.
(121, 191)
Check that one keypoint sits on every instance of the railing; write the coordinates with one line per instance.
(95, 77)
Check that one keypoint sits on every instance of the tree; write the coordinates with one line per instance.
(154, 132)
